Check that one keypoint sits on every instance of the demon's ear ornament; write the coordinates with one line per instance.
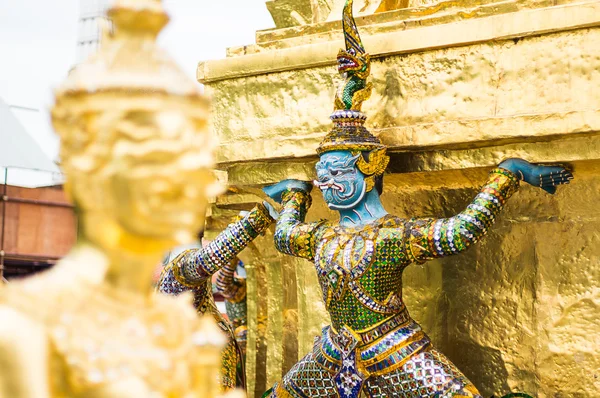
(376, 163)
(372, 167)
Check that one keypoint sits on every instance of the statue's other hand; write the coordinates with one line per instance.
(545, 177)
(276, 190)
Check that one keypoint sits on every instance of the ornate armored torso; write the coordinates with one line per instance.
(360, 272)
(360, 268)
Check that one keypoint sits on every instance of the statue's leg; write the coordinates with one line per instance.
(308, 379)
(427, 374)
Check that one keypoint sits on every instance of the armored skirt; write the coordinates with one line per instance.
(373, 346)
(401, 363)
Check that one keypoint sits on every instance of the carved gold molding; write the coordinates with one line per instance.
(464, 32)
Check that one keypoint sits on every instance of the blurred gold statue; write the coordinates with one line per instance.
(136, 154)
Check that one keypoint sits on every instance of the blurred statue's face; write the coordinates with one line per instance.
(146, 171)
(161, 174)
(342, 184)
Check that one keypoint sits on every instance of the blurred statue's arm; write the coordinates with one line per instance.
(233, 289)
(194, 266)
(24, 357)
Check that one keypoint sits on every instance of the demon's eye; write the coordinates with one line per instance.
(352, 51)
(335, 172)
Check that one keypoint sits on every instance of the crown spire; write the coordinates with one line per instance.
(348, 132)
(351, 35)
(354, 65)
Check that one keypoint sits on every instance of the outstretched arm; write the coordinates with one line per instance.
(194, 266)
(437, 238)
(292, 235)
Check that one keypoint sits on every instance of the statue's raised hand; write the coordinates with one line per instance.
(545, 177)
(276, 190)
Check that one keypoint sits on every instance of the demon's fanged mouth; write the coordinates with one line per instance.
(346, 62)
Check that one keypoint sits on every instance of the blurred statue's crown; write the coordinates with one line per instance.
(129, 60)
(130, 100)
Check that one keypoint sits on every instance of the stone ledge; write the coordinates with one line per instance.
(364, 21)
(498, 27)
(565, 151)
(403, 19)
(494, 93)
(454, 134)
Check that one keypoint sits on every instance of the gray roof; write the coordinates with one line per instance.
(26, 164)
(17, 148)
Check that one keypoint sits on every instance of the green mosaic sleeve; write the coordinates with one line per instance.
(197, 265)
(431, 238)
(292, 235)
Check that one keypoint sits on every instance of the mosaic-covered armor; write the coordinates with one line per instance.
(373, 347)
(193, 269)
(349, 260)
(373, 343)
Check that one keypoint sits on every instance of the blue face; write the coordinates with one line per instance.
(342, 184)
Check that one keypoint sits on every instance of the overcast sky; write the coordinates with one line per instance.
(38, 46)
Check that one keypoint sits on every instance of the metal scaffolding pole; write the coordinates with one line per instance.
(4, 201)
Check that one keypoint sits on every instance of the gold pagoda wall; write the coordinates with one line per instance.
(458, 86)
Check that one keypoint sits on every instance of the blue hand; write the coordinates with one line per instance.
(276, 190)
(545, 177)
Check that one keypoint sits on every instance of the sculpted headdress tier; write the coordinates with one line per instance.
(348, 132)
